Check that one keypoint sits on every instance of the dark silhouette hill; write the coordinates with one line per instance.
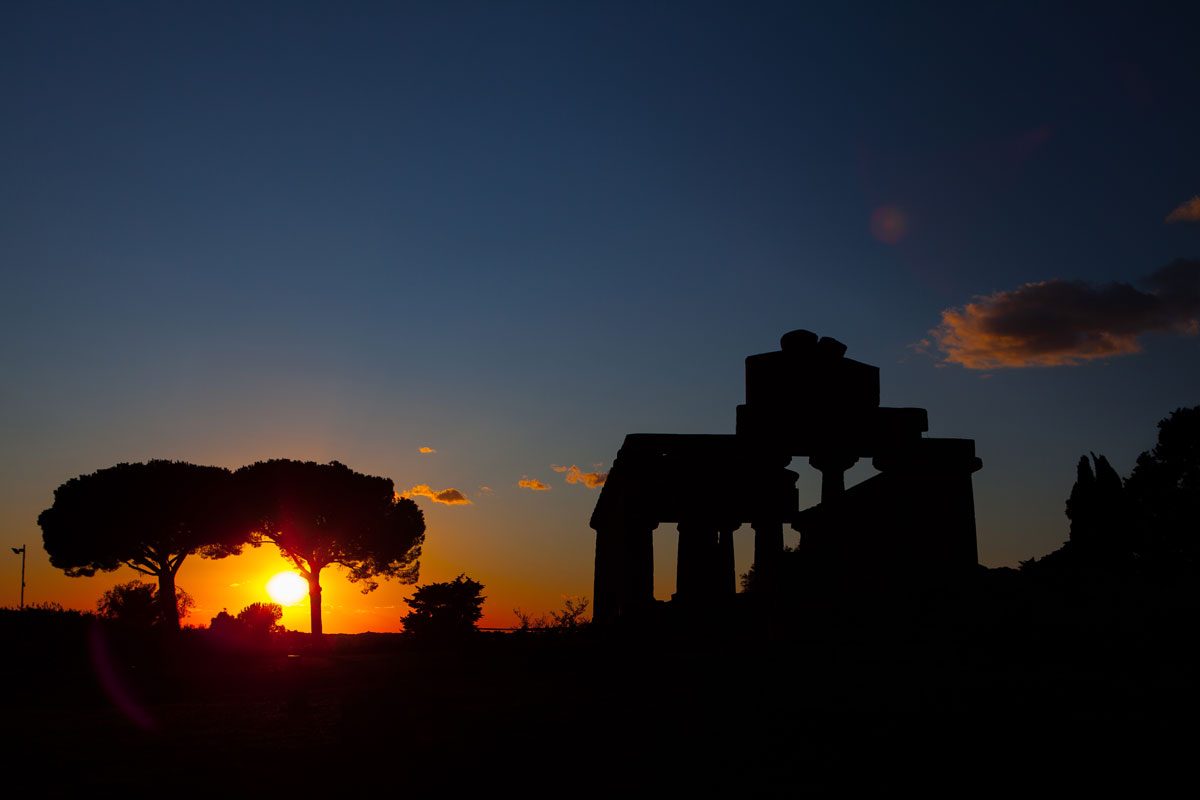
(1001, 692)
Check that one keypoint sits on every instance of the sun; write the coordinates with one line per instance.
(287, 588)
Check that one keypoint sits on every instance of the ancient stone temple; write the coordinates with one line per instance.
(913, 521)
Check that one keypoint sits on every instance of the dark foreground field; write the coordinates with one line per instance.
(1007, 695)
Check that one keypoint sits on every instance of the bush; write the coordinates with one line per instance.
(223, 623)
(253, 625)
(569, 618)
(445, 610)
(135, 605)
(261, 619)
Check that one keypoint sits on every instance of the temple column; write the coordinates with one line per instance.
(833, 468)
(768, 552)
(934, 478)
(696, 566)
(725, 581)
(637, 573)
(606, 587)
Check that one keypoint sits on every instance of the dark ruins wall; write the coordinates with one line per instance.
(914, 521)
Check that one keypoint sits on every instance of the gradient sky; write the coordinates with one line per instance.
(515, 232)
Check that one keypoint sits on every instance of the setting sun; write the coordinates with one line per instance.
(287, 588)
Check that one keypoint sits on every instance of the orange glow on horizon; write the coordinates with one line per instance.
(460, 539)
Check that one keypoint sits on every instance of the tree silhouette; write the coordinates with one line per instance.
(570, 618)
(572, 615)
(137, 605)
(148, 517)
(223, 624)
(259, 620)
(1097, 510)
(1148, 524)
(445, 610)
(253, 627)
(320, 515)
(1164, 490)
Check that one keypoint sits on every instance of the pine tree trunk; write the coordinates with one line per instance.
(168, 608)
(314, 602)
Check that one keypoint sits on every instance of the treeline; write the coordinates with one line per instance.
(1146, 524)
(152, 516)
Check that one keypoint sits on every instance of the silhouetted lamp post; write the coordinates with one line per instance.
(21, 552)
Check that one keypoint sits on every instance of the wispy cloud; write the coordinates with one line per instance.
(1188, 212)
(486, 490)
(449, 497)
(1057, 322)
(534, 484)
(426, 450)
(591, 480)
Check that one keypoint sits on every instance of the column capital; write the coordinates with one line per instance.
(826, 462)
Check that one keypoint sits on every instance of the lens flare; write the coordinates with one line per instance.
(889, 224)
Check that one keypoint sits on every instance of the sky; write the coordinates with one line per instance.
(460, 244)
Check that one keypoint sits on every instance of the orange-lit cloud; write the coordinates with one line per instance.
(1188, 212)
(534, 484)
(449, 497)
(591, 480)
(1057, 322)
(486, 490)
(426, 450)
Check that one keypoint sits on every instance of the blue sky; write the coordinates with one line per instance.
(515, 232)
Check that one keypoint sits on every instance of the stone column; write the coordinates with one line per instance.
(937, 503)
(833, 468)
(697, 554)
(725, 582)
(606, 588)
(637, 567)
(768, 551)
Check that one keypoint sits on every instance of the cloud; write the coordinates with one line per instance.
(426, 450)
(1057, 322)
(449, 497)
(534, 484)
(486, 490)
(591, 480)
(559, 468)
(1188, 212)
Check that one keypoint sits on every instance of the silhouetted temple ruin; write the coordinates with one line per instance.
(915, 519)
